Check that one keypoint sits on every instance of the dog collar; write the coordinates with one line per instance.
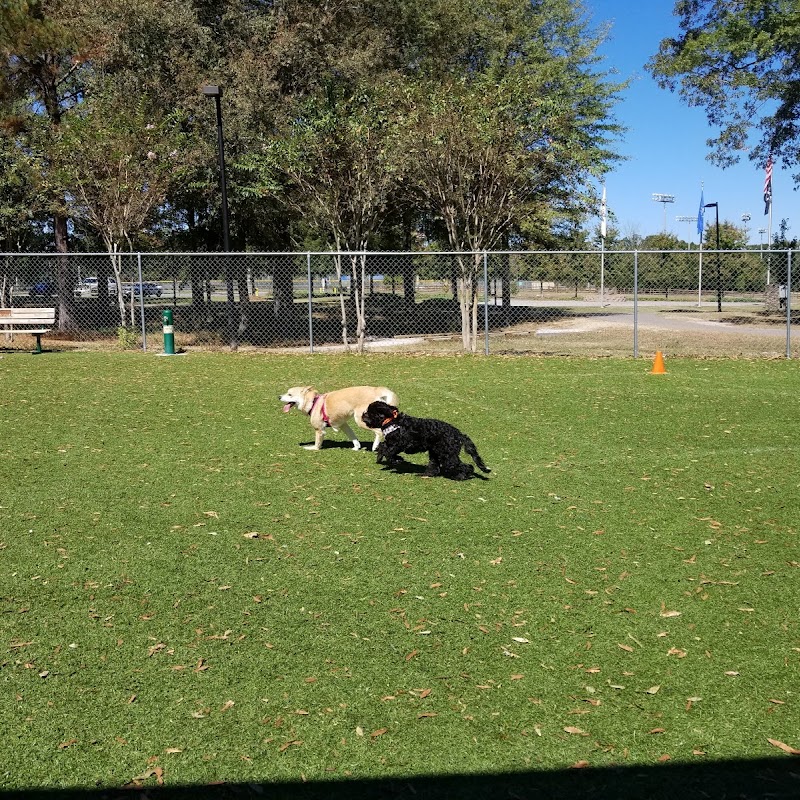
(322, 411)
(389, 420)
(391, 428)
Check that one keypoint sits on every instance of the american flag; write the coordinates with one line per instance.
(768, 186)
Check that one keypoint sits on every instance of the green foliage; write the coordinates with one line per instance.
(127, 338)
(739, 62)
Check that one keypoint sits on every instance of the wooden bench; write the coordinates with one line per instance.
(28, 320)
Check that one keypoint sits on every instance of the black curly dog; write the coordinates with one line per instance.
(405, 434)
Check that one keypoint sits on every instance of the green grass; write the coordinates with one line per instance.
(187, 590)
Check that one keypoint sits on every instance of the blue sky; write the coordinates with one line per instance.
(666, 141)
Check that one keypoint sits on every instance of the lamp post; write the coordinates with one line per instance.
(745, 219)
(690, 220)
(215, 92)
(715, 206)
(664, 199)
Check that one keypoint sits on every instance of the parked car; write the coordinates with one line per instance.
(88, 287)
(43, 288)
(145, 288)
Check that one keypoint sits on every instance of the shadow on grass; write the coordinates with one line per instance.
(747, 780)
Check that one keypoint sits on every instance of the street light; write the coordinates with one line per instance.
(664, 199)
(690, 220)
(745, 219)
(215, 93)
(715, 206)
(761, 232)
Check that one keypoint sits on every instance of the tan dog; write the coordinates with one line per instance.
(334, 409)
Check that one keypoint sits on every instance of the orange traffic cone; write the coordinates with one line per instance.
(658, 364)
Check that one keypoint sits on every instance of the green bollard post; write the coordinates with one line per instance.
(169, 333)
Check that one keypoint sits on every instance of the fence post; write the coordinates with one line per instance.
(486, 302)
(310, 306)
(141, 302)
(636, 304)
(789, 305)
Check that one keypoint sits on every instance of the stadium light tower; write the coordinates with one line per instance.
(690, 220)
(745, 219)
(664, 199)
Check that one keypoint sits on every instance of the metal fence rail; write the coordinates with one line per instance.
(693, 302)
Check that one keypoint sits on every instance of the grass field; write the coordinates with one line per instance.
(189, 597)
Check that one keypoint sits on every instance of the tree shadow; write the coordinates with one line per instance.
(758, 779)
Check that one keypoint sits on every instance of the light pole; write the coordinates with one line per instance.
(745, 219)
(761, 232)
(715, 206)
(215, 93)
(690, 220)
(664, 199)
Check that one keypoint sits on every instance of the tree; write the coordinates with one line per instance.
(117, 163)
(44, 48)
(738, 61)
(340, 159)
(510, 139)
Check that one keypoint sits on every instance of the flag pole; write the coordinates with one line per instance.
(603, 214)
(700, 228)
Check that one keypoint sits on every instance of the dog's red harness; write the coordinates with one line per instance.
(322, 411)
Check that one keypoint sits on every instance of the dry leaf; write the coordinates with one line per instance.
(228, 704)
(426, 714)
(792, 751)
(656, 730)
(580, 765)
(379, 732)
(577, 731)
(65, 745)
(626, 647)
(653, 690)
(676, 651)
(286, 745)
(670, 614)
(665, 757)
(520, 639)
(412, 654)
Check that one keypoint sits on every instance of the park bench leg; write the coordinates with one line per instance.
(38, 349)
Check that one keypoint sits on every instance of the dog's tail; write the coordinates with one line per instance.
(469, 446)
(388, 396)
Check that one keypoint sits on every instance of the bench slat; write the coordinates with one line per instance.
(27, 316)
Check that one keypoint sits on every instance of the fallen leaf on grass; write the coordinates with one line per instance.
(424, 715)
(287, 745)
(412, 654)
(227, 705)
(626, 647)
(158, 772)
(792, 751)
(653, 690)
(379, 732)
(580, 765)
(577, 731)
(668, 614)
(65, 745)
(665, 757)
(676, 651)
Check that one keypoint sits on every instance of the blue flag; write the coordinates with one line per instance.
(700, 215)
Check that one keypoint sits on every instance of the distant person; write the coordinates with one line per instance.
(782, 296)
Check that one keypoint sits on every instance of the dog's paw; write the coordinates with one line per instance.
(310, 447)
(356, 445)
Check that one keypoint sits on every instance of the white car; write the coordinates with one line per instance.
(88, 287)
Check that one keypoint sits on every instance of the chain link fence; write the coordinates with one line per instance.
(597, 303)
